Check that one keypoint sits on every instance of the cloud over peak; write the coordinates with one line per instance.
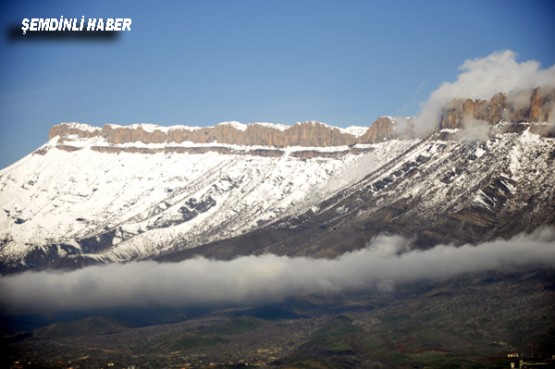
(482, 78)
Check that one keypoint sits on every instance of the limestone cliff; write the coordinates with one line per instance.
(537, 105)
(382, 129)
(310, 134)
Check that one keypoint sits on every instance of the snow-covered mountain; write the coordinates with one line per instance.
(115, 193)
(454, 187)
(79, 194)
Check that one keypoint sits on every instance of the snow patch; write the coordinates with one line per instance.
(356, 131)
(80, 126)
(277, 126)
(237, 125)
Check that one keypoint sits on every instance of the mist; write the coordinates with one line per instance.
(482, 78)
(385, 262)
(474, 130)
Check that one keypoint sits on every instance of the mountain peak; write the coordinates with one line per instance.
(536, 105)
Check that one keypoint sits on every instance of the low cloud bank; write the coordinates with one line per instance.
(385, 262)
(482, 78)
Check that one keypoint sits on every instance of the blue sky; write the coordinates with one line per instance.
(202, 62)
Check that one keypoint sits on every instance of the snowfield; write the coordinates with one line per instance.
(88, 199)
(133, 205)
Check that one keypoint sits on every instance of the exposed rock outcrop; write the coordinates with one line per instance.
(310, 134)
(382, 129)
(301, 134)
(537, 105)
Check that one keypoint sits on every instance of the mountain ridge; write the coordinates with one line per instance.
(441, 190)
(536, 105)
(116, 194)
(310, 133)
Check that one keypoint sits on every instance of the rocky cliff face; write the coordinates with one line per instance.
(382, 129)
(303, 134)
(313, 134)
(536, 105)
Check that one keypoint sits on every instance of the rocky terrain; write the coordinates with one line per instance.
(537, 105)
(263, 134)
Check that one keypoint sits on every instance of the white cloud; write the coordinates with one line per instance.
(482, 78)
(474, 130)
(385, 262)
